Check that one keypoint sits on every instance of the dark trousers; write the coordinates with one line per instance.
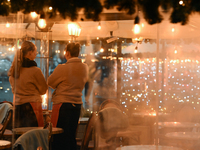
(25, 116)
(67, 120)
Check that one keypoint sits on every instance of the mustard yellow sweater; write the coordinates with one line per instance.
(30, 85)
(68, 80)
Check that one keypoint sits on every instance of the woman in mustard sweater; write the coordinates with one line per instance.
(28, 84)
(68, 80)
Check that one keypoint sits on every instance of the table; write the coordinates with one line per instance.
(186, 140)
(184, 135)
(22, 130)
(148, 114)
(81, 127)
(5, 144)
(179, 124)
(148, 147)
(83, 120)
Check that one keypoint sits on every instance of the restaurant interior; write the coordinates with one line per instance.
(148, 71)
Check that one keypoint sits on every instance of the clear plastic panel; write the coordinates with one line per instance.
(154, 78)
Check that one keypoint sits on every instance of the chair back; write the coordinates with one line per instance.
(6, 111)
(110, 103)
(33, 140)
(88, 131)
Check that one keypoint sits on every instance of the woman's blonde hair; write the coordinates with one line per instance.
(18, 58)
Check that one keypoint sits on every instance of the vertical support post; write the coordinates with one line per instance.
(157, 86)
(44, 62)
(163, 70)
(119, 53)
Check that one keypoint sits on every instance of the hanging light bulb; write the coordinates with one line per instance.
(99, 26)
(74, 30)
(181, 3)
(136, 49)
(7, 25)
(50, 8)
(42, 22)
(136, 28)
(101, 50)
(175, 50)
(33, 15)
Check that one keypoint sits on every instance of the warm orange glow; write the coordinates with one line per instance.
(50, 8)
(136, 29)
(7, 25)
(33, 14)
(101, 50)
(44, 100)
(135, 51)
(74, 29)
(42, 23)
(99, 27)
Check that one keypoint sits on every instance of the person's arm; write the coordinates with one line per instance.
(40, 82)
(11, 80)
(55, 78)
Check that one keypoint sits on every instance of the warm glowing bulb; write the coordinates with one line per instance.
(42, 23)
(175, 51)
(7, 25)
(135, 51)
(74, 29)
(50, 8)
(142, 24)
(136, 29)
(33, 14)
(99, 27)
(101, 50)
(173, 29)
(181, 2)
(97, 38)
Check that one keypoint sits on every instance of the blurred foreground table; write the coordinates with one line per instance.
(23, 130)
(5, 144)
(83, 120)
(184, 135)
(148, 147)
(186, 140)
(179, 124)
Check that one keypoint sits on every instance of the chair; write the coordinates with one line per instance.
(85, 143)
(5, 144)
(110, 103)
(35, 139)
(88, 142)
(6, 112)
(118, 135)
(49, 126)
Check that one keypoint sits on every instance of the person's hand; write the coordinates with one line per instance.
(39, 148)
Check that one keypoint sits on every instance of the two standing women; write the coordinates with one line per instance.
(68, 80)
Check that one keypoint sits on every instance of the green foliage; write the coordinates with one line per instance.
(93, 8)
(4, 8)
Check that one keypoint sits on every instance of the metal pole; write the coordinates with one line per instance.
(157, 86)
